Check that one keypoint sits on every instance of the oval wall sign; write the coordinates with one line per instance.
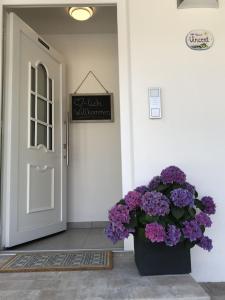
(199, 39)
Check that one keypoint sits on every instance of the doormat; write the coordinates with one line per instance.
(59, 261)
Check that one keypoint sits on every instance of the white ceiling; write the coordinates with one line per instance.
(55, 20)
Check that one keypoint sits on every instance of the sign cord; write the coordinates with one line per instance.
(91, 73)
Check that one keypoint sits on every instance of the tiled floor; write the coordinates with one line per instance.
(113, 284)
(123, 282)
(215, 289)
(93, 238)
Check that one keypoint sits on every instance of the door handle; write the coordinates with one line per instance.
(67, 140)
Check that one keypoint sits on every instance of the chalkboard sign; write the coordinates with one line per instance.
(92, 108)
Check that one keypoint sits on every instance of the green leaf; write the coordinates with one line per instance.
(145, 219)
(202, 228)
(176, 186)
(192, 212)
(133, 222)
(199, 204)
(164, 222)
(162, 188)
(122, 201)
(168, 220)
(131, 225)
(182, 238)
(177, 212)
(189, 244)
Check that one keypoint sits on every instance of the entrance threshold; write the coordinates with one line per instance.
(71, 240)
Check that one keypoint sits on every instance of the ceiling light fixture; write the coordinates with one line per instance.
(81, 13)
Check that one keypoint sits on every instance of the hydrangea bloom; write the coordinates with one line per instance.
(192, 230)
(154, 183)
(181, 197)
(115, 233)
(155, 232)
(203, 219)
(170, 202)
(209, 205)
(132, 200)
(173, 174)
(142, 189)
(189, 187)
(119, 214)
(205, 243)
(155, 204)
(173, 235)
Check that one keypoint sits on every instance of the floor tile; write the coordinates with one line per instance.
(20, 295)
(120, 283)
(96, 239)
(215, 289)
(91, 238)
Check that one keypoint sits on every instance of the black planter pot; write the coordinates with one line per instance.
(159, 259)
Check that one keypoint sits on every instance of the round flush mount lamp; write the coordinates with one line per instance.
(81, 13)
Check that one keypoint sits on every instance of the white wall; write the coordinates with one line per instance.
(191, 133)
(94, 178)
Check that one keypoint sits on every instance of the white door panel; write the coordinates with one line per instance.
(34, 189)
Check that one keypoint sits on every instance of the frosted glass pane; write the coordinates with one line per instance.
(32, 106)
(33, 75)
(42, 110)
(50, 89)
(42, 81)
(32, 133)
(50, 138)
(50, 114)
(41, 135)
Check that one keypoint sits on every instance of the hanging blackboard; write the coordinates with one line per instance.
(92, 107)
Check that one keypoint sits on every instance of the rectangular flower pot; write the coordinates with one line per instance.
(159, 259)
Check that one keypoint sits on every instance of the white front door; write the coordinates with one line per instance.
(34, 164)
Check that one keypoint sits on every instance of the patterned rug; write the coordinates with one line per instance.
(59, 261)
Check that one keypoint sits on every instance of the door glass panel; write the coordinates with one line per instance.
(50, 139)
(32, 106)
(42, 81)
(41, 134)
(32, 133)
(33, 77)
(50, 114)
(50, 89)
(42, 110)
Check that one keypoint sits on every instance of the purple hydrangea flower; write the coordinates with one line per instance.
(155, 204)
(205, 243)
(115, 233)
(154, 183)
(119, 214)
(173, 235)
(189, 187)
(192, 230)
(155, 232)
(142, 189)
(133, 200)
(181, 197)
(203, 219)
(209, 205)
(173, 174)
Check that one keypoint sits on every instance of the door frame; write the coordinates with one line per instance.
(126, 130)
